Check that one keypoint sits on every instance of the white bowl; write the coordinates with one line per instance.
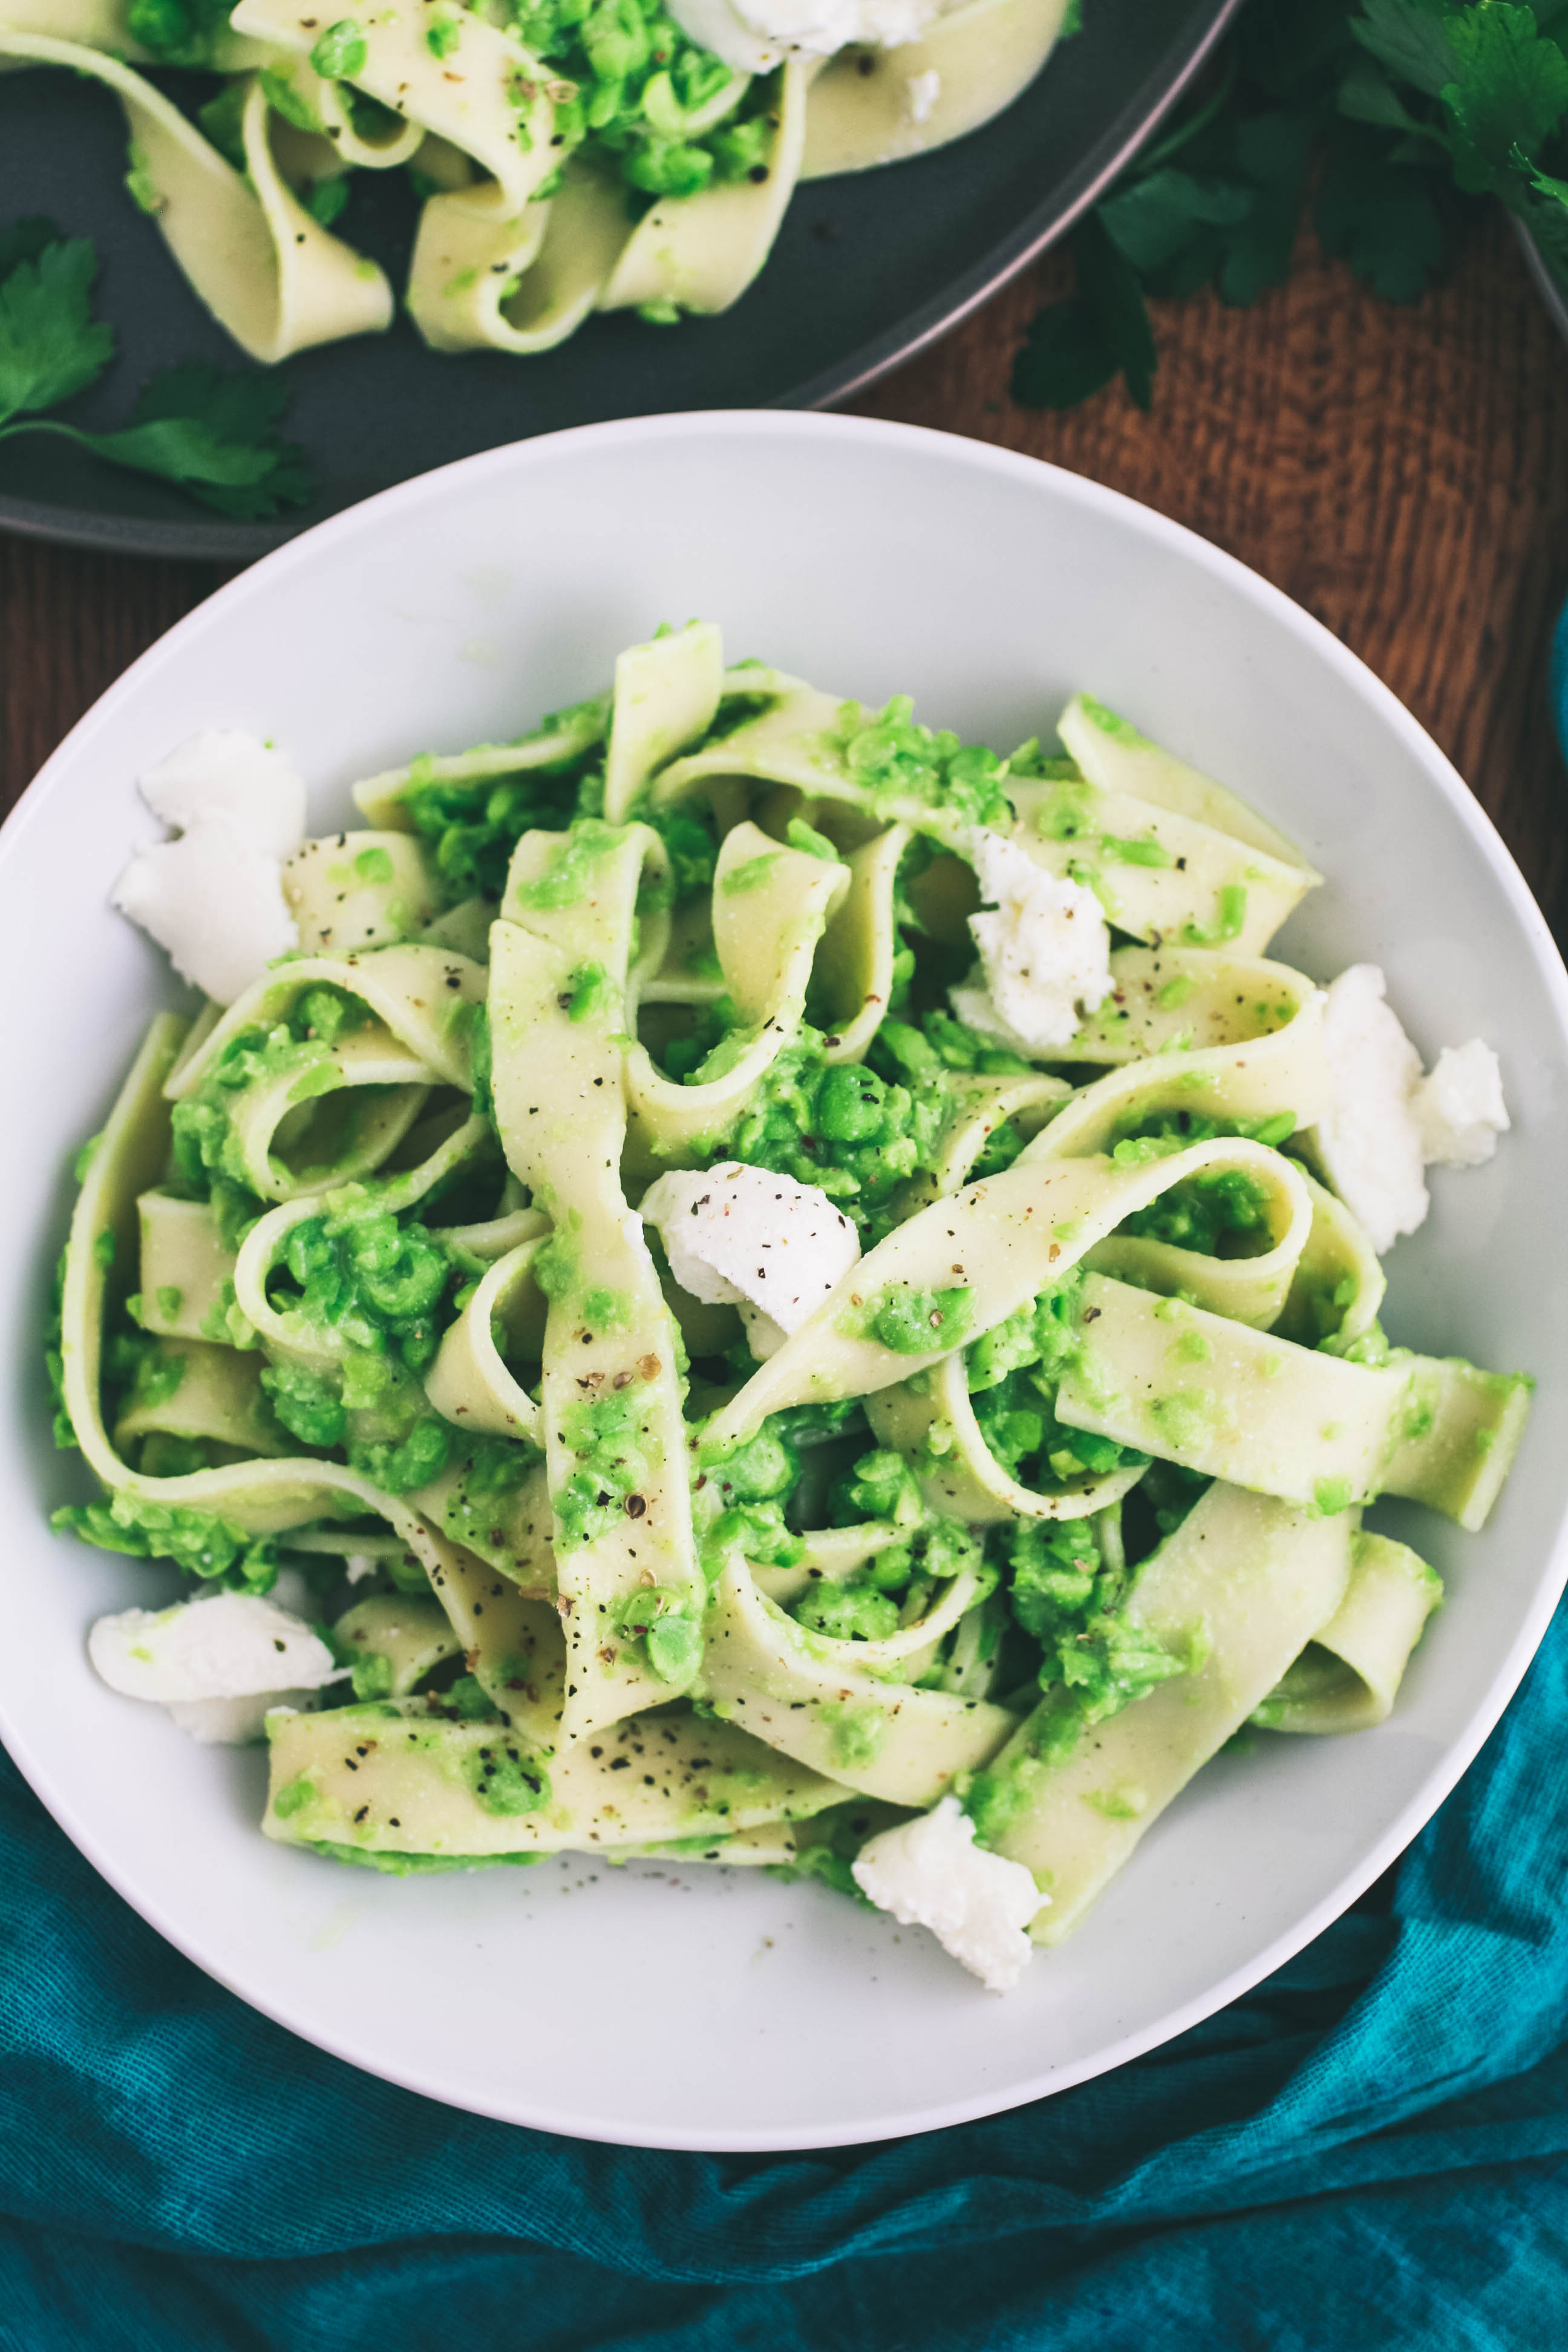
(672, 2005)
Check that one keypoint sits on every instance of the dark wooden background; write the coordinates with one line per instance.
(1403, 473)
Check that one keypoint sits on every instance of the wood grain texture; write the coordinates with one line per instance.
(70, 621)
(1403, 473)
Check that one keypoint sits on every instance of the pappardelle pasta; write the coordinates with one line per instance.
(771, 1287)
(568, 156)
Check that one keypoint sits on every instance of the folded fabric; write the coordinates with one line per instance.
(1371, 2149)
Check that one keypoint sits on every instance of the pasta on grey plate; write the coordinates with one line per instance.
(569, 156)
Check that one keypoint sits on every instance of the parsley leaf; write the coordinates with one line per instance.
(1510, 91)
(217, 434)
(1274, 156)
(213, 434)
(1546, 213)
(23, 241)
(1409, 37)
(1396, 115)
(1103, 331)
(50, 345)
(1388, 222)
(1152, 220)
(1063, 358)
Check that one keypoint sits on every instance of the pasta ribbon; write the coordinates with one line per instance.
(932, 1424)
(259, 1496)
(1244, 1405)
(1242, 1587)
(419, 1785)
(524, 231)
(510, 1531)
(184, 1264)
(557, 744)
(1185, 863)
(264, 267)
(699, 253)
(493, 102)
(190, 1388)
(511, 1640)
(355, 891)
(1338, 1284)
(824, 1702)
(1201, 1002)
(408, 1632)
(870, 107)
(469, 1381)
(666, 693)
(488, 275)
(977, 1108)
(422, 997)
(291, 1115)
(1004, 1241)
(562, 970)
(1115, 758)
(801, 736)
(286, 1332)
(92, 23)
(771, 906)
(856, 965)
(105, 25)
(321, 108)
(1347, 1676)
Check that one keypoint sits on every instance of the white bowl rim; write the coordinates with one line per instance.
(762, 425)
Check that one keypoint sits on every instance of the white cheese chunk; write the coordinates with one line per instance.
(754, 36)
(214, 899)
(1367, 1136)
(228, 1645)
(930, 1873)
(739, 1237)
(1045, 951)
(1459, 1108)
(215, 902)
(223, 773)
(234, 1722)
(922, 92)
(1384, 1122)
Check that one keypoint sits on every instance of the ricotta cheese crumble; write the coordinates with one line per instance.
(1384, 1123)
(929, 1873)
(218, 1663)
(1044, 951)
(213, 898)
(753, 36)
(740, 1236)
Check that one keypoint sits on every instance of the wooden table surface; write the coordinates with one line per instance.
(1403, 473)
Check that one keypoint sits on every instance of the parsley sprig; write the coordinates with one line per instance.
(213, 434)
(1397, 118)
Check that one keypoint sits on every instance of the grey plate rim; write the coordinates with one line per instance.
(1546, 284)
(209, 539)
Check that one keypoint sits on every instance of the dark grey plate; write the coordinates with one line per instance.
(1548, 285)
(867, 269)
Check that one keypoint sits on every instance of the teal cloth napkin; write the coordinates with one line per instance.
(1370, 2150)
